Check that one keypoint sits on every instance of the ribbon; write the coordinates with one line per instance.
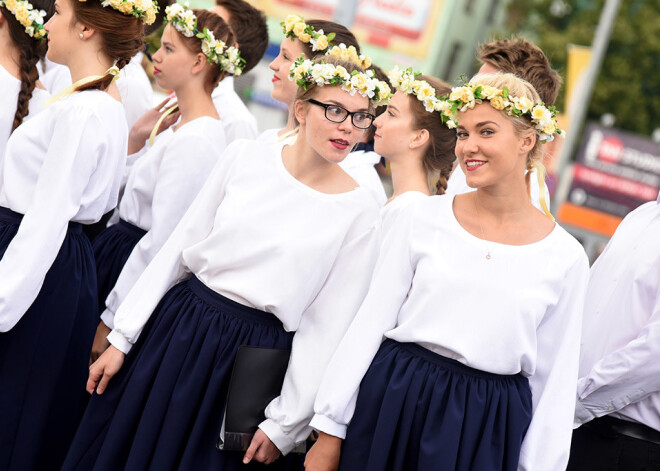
(540, 174)
(114, 71)
(166, 113)
(288, 134)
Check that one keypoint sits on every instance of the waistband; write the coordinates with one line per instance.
(228, 306)
(613, 426)
(12, 217)
(449, 363)
(131, 229)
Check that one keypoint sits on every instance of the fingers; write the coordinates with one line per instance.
(162, 104)
(94, 377)
(104, 382)
(249, 454)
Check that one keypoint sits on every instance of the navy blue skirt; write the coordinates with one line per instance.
(164, 409)
(112, 248)
(44, 359)
(417, 410)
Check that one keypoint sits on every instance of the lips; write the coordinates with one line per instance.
(156, 71)
(472, 165)
(275, 79)
(340, 144)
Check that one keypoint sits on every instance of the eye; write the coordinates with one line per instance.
(390, 113)
(361, 118)
(461, 134)
(285, 57)
(487, 132)
(335, 111)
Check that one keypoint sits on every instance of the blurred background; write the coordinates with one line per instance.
(607, 51)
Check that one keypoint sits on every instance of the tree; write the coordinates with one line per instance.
(629, 82)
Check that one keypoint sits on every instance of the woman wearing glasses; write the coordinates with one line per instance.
(280, 240)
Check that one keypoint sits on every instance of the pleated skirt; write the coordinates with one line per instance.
(112, 248)
(44, 359)
(417, 410)
(164, 409)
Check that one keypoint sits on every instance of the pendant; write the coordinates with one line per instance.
(488, 256)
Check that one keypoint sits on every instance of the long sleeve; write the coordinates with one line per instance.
(321, 328)
(627, 375)
(167, 266)
(179, 179)
(67, 168)
(335, 402)
(547, 442)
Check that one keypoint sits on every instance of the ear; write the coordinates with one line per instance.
(199, 63)
(86, 31)
(527, 141)
(300, 111)
(420, 139)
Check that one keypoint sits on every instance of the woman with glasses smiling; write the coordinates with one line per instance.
(276, 251)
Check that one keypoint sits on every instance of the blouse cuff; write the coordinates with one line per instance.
(120, 342)
(326, 425)
(108, 318)
(277, 436)
(582, 414)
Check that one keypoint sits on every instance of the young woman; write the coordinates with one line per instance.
(479, 298)
(61, 169)
(23, 45)
(418, 145)
(164, 181)
(280, 240)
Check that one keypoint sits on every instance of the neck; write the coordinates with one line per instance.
(408, 174)
(194, 102)
(503, 203)
(290, 124)
(10, 56)
(88, 61)
(305, 164)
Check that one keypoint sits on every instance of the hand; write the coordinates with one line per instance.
(100, 342)
(261, 449)
(103, 369)
(142, 128)
(324, 454)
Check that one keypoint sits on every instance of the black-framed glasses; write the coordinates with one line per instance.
(338, 114)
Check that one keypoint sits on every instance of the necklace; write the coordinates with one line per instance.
(483, 236)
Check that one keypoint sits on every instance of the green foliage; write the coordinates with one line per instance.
(629, 82)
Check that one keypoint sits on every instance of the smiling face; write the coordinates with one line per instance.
(332, 141)
(284, 90)
(394, 128)
(63, 31)
(488, 148)
(173, 62)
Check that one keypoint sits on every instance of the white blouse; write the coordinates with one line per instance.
(11, 87)
(65, 164)
(161, 186)
(137, 94)
(236, 119)
(258, 236)
(519, 311)
(390, 212)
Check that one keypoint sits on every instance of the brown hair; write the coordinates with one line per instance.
(342, 35)
(249, 26)
(31, 51)
(221, 31)
(523, 58)
(310, 92)
(123, 35)
(440, 152)
(380, 75)
(519, 88)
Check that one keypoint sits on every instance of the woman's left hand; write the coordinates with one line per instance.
(261, 449)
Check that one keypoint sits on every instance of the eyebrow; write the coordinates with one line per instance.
(392, 107)
(479, 125)
(361, 110)
(167, 43)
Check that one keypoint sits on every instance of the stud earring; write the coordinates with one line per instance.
(81, 35)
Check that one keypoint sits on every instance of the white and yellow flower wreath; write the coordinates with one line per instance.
(29, 17)
(184, 21)
(294, 27)
(306, 72)
(349, 54)
(145, 10)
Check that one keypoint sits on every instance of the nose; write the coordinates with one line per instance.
(469, 145)
(347, 125)
(377, 122)
(273, 65)
(46, 25)
(156, 57)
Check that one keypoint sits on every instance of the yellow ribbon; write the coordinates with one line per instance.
(288, 134)
(166, 113)
(540, 174)
(114, 71)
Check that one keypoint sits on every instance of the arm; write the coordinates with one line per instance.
(625, 376)
(167, 267)
(178, 182)
(547, 442)
(70, 162)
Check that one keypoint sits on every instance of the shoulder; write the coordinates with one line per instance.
(564, 247)
(91, 103)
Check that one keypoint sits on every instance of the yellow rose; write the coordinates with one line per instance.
(498, 103)
(366, 62)
(23, 17)
(299, 29)
(11, 5)
(150, 16)
(489, 92)
(322, 42)
(463, 94)
(549, 128)
(359, 81)
(291, 21)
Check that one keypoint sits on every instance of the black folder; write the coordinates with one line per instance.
(256, 379)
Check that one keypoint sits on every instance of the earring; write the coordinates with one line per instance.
(81, 35)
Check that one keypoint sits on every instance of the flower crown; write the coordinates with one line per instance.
(405, 81)
(185, 22)
(145, 10)
(349, 54)
(470, 94)
(306, 72)
(294, 27)
(28, 16)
